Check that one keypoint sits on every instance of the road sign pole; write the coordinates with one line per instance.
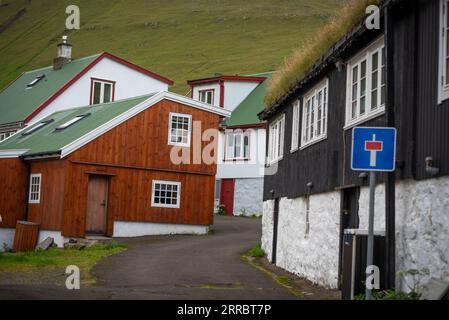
(369, 258)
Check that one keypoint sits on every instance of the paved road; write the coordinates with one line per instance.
(176, 267)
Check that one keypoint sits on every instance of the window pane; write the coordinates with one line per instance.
(97, 92)
(374, 100)
(246, 146)
(238, 146)
(107, 96)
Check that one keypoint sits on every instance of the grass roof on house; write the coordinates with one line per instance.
(303, 58)
(246, 112)
(18, 100)
(48, 140)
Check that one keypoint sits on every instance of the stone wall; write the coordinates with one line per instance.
(248, 197)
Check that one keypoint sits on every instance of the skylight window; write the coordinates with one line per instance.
(36, 80)
(37, 127)
(72, 122)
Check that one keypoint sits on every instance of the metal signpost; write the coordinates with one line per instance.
(373, 149)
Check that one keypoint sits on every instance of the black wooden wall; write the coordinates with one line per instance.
(422, 124)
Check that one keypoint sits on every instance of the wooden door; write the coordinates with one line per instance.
(97, 200)
(227, 195)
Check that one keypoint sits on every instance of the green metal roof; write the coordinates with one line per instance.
(17, 101)
(47, 140)
(246, 112)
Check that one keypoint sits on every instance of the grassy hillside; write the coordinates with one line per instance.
(180, 39)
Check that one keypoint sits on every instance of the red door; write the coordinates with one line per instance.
(227, 195)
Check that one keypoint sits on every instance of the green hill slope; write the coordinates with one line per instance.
(180, 39)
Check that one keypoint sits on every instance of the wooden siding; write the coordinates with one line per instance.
(129, 198)
(142, 141)
(13, 198)
(422, 124)
(49, 211)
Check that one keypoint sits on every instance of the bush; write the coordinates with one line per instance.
(257, 252)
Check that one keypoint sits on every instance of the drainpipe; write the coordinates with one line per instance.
(390, 209)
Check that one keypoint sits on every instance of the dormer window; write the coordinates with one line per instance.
(102, 91)
(207, 96)
(36, 80)
(37, 127)
(71, 122)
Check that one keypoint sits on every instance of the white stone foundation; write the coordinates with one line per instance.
(248, 197)
(422, 230)
(125, 229)
(6, 238)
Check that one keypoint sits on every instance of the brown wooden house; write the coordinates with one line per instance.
(113, 169)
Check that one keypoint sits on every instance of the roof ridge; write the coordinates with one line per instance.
(50, 66)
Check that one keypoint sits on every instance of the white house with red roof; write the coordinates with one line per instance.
(69, 83)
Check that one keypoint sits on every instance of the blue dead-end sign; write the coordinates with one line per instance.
(373, 149)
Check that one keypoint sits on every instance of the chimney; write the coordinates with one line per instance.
(64, 54)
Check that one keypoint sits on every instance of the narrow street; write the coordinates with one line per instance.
(175, 267)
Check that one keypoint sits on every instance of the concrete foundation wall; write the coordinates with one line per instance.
(248, 197)
(138, 229)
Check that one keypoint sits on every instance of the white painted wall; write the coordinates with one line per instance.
(248, 197)
(313, 256)
(207, 86)
(139, 229)
(129, 83)
(58, 238)
(236, 91)
(254, 168)
(422, 230)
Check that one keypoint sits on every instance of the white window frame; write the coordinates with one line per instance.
(366, 55)
(276, 140)
(231, 136)
(189, 130)
(295, 126)
(5, 135)
(31, 198)
(102, 84)
(310, 101)
(443, 77)
(206, 92)
(162, 205)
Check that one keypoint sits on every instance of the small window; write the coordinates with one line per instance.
(5, 135)
(37, 127)
(276, 140)
(35, 188)
(179, 130)
(71, 122)
(207, 96)
(314, 116)
(443, 70)
(102, 91)
(166, 194)
(295, 126)
(237, 145)
(36, 80)
(366, 87)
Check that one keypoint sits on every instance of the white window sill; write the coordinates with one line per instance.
(294, 150)
(184, 145)
(364, 119)
(312, 142)
(164, 206)
(443, 94)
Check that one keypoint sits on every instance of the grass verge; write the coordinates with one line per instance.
(56, 258)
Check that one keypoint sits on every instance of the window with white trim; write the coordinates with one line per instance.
(166, 194)
(314, 115)
(295, 126)
(207, 96)
(71, 122)
(35, 188)
(102, 91)
(366, 84)
(276, 140)
(179, 129)
(237, 145)
(5, 135)
(443, 68)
